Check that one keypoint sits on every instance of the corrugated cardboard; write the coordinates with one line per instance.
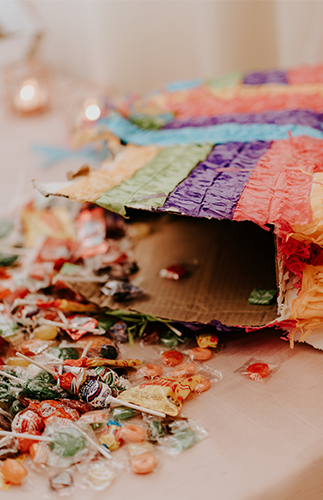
(233, 258)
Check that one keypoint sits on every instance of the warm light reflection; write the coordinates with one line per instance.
(92, 112)
(27, 92)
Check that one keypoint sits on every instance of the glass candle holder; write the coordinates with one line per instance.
(27, 87)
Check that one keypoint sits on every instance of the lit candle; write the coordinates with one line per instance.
(31, 97)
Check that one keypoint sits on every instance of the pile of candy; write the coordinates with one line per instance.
(66, 389)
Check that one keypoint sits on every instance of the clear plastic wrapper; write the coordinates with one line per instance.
(100, 473)
(182, 434)
(257, 369)
(121, 290)
(97, 419)
(62, 483)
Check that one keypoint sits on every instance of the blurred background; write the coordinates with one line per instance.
(136, 45)
(64, 63)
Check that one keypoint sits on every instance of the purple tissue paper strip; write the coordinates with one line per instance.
(293, 117)
(214, 187)
(261, 77)
(216, 325)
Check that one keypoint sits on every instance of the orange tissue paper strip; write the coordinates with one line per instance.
(280, 185)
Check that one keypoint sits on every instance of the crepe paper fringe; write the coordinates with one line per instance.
(278, 190)
(313, 231)
(183, 85)
(228, 132)
(303, 117)
(263, 77)
(307, 309)
(229, 80)
(126, 164)
(204, 102)
(149, 186)
(305, 75)
(214, 187)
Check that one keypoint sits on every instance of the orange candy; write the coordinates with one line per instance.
(184, 370)
(151, 370)
(132, 433)
(143, 464)
(172, 358)
(200, 353)
(24, 444)
(203, 386)
(13, 471)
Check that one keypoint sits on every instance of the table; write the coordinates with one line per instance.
(265, 439)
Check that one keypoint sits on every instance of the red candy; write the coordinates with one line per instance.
(174, 272)
(258, 371)
(27, 421)
(51, 410)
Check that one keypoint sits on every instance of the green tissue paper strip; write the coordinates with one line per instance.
(229, 80)
(150, 186)
(262, 297)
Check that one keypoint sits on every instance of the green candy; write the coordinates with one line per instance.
(109, 352)
(67, 442)
(16, 407)
(64, 353)
(7, 260)
(69, 353)
(262, 297)
(184, 439)
(155, 430)
(169, 339)
(42, 387)
(123, 413)
(6, 397)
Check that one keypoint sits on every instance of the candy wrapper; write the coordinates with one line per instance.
(99, 474)
(258, 370)
(121, 290)
(91, 229)
(51, 410)
(62, 483)
(68, 446)
(164, 394)
(77, 321)
(181, 435)
(97, 419)
(111, 436)
(174, 272)
(207, 340)
(93, 362)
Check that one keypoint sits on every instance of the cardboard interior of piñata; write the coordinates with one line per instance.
(225, 262)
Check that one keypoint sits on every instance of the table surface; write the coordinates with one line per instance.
(265, 439)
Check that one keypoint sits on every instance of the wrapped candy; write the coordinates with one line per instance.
(164, 394)
(93, 362)
(111, 436)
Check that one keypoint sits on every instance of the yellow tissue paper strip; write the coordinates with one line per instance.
(307, 307)
(313, 231)
(92, 186)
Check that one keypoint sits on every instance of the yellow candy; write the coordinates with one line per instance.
(15, 338)
(17, 362)
(45, 332)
